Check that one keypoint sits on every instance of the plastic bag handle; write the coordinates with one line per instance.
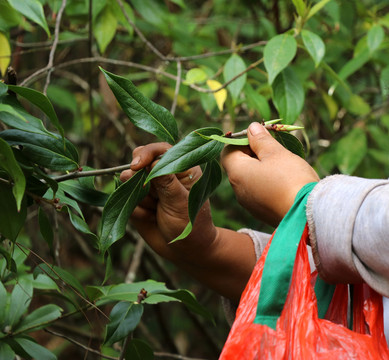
(279, 265)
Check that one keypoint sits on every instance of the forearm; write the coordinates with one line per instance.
(349, 228)
(225, 266)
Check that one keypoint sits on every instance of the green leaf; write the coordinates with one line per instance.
(39, 318)
(58, 273)
(290, 142)
(142, 112)
(43, 282)
(194, 149)
(81, 225)
(375, 37)
(86, 194)
(41, 101)
(63, 199)
(33, 10)
(257, 102)
(120, 16)
(11, 265)
(11, 166)
(234, 66)
(124, 318)
(314, 45)
(6, 353)
(231, 141)
(3, 301)
(200, 192)
(317, 7)
(35, 350)
(300, 7)
(384, 81)
(3, 89)
(119, 207)
(350, 150)
(278, 53)
(11, 220)
(288, 96)
(195, 76)
(104, 28)
(357, 105)
(44, 150)
(9, 109)
(20, 300)
(45, 227)
(138, 349)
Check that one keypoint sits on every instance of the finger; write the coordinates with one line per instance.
(261, 142)
(126, 174)
(143, 156)
(232, 156)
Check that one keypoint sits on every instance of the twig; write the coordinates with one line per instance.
(272, 127)
(78, 174)
(177, 89)
(49, 65)
(136, 260)
(75, 342)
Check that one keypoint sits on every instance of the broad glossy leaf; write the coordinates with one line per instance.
(290, 142)
(234, 66)
(193, 150)
(375, 36)
(20, 300)
(119, 207)
(257, 102)
(45, 227)
(11, 265)
(104, 28)
(314, 45)
(86, 194)
(44, 150)
(5, 54)
(350, 150)
(33, 10)
(11, 166)
(58, 273)
(200, 192)
(39, 318)
(35, 350)
(278, 53)
(288, 96)
(6, 352)
(124, 318)
(195, 76)
(138, 349)
(142, 112)
(41, 101)
(11, 220)
(300, 6)
(220, 96)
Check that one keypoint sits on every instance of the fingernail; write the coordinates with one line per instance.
(256, 128)
(135, 161)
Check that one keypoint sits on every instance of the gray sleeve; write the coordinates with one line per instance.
(348, 219)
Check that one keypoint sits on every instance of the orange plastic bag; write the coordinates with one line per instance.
(299, 332)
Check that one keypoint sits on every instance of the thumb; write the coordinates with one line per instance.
(169, 189)
(261, 142)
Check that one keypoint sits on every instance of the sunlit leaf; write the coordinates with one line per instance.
(5, 54)
(104, 28)
(142, 112)
(231, 141)
(11, 166)
(220, 96)
(200, 192)
(193, 150)
(195, 76)
(278, 53)
(314, 45)
(233, 67)
(33, 10)
(288, 96)
(41, 101)
(124, 318)
(375, 36)
(350, 150)
(119, 207)
(317, 7)
(300, 7)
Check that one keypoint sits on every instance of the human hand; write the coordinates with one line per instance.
(163, 213)
(265, 176)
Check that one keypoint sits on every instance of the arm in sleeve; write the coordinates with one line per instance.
(348, 219)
